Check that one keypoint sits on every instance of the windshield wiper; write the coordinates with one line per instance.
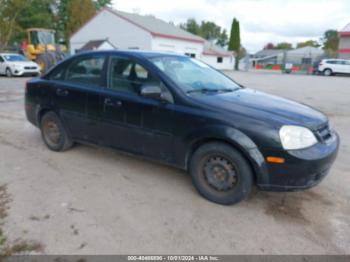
(207, 90)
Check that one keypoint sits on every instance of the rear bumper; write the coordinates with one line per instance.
(303, 169)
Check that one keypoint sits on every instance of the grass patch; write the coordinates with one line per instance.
(19, 246)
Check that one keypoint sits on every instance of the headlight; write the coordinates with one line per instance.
(296, 137)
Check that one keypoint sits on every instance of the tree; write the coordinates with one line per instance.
(65, 16)
(99, 4)
(284, 45)
(311, 43)
(330, 42)
(72, 14)
(62, 18)
(78, 13)
(191, 26)
(269, 46)
(242, 53)
(206, 29)
(38, 14)
(235, 40)
(209, 30)
(223, 39)
(10, 11)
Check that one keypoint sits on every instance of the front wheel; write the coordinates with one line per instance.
(8, 72)
(221, 174)
(54, 134)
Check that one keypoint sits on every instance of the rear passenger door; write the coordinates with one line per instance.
(82, 76)
(347, 64)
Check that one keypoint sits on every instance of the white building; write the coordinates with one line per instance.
(96, 45)
(300, 56)
(137, 32)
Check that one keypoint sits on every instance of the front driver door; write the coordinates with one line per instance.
(131, 122)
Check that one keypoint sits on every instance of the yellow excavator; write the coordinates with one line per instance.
(41, 48)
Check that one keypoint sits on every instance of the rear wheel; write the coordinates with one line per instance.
(54, 134)
(327, 72)
(221, 174)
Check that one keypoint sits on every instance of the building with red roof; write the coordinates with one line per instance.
(145, 32)
(344, 43)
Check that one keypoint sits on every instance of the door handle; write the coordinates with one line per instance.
(110, 102)
(62, 92)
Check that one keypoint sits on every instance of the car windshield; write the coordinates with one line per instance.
(42, 37)
(193, 76)
(15, 58)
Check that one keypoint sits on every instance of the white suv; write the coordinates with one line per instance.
(334, 66)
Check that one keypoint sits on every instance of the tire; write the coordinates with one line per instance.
(8, 72)
(54, 134)
(221, 174)
(328, 72)
(45, 61)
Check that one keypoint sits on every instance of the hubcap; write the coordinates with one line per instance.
(220, 173)
(52, 133)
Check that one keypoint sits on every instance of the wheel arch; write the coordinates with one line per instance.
(41, 111)
(328, 68)
(237, 140)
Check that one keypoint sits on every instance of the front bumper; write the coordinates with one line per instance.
(303, 169)
(24, 72)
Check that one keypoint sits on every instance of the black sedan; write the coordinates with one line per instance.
(180, 111)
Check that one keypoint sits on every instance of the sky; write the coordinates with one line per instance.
(261, 21)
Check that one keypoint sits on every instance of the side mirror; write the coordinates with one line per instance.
(151, 90)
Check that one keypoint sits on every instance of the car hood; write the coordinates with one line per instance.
(261, 105)
(22, 63)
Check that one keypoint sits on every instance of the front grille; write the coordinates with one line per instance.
(29, 67)
(324, 133)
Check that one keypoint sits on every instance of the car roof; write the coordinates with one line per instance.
(135, 53)
(335, 59)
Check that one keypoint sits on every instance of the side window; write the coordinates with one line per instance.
(87, 70)
(1, 59)
(126, 75)
(141, 73)
(57, 73)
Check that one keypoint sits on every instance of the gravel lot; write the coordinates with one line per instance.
(96, 201)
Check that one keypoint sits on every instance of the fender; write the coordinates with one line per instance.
(234, 137)
(39, 109)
